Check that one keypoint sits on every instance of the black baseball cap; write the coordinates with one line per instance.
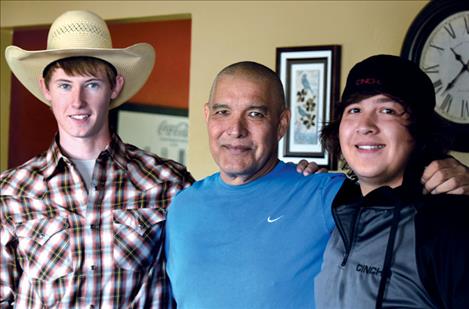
(395, 77)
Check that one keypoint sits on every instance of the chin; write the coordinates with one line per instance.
(231, 170)
(366, 173)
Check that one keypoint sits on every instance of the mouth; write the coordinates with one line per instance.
(80, 116)
(370, 147)
(237, 148)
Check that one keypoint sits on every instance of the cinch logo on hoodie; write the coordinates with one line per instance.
(372, 270)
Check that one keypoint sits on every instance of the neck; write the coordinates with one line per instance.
(366, 186)
(84, 148)
(241, 179)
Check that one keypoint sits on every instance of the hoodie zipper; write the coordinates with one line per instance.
(348, 246)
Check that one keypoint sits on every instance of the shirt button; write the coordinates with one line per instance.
(92, 268)
(94, 226)
(92, 307)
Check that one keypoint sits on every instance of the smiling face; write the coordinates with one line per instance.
(375, 141)
(245, 121)
(81, 105)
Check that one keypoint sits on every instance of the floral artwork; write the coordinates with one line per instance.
(306, 128)
(310, 76)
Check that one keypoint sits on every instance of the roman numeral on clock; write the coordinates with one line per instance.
(432, 69)
(466, 23)
(446, 104)
(437, 47)
(437, 85)
(465, 109)
(450, 30)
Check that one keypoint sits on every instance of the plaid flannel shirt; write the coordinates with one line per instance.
(65, 247)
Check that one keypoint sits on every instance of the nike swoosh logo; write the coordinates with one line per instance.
(273, 220)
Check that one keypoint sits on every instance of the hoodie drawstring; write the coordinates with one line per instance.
(388, 256)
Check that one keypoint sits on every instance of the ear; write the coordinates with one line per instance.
(206, 112)
(284, 122)
(44, 89)
(118, 86)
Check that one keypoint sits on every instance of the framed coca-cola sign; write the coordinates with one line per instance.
(160, 130)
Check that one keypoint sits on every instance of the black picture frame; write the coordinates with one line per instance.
(311, 77)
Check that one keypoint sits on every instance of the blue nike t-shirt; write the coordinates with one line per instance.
(257, 245)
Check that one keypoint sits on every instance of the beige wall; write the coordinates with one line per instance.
(225, 32)
(5, 85)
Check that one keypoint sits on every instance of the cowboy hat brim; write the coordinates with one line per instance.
(134, 63)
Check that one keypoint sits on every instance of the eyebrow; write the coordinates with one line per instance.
(218, 105)
(386, 100)
(93, 79)
(262, 107)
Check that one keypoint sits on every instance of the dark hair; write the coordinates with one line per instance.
(429, 143)
(81, 66)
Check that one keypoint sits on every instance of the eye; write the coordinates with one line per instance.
(352, 110)
(93, 85)
(389, 111)
(256, 114)
(221, 112)
(64, 86)
(393, 111)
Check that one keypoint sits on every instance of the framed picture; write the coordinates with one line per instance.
(163, 131)
(310, 77)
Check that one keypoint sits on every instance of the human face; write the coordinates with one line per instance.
(376, 142)
(81, 104)
(244, 122)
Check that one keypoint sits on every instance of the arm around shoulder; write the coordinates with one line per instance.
(443, 250)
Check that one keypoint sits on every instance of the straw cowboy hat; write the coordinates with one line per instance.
(82, 33)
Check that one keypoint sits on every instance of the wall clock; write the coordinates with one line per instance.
(438, 41)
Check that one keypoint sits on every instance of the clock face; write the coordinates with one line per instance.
(445, 59)
(438, 40)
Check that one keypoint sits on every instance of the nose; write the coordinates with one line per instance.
(367, 124)
(78, 97)
(237, 127)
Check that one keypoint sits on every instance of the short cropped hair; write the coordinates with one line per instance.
(258, 71)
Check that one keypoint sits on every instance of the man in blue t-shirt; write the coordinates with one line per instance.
(252, 235)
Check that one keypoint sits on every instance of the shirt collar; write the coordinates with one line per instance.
(117, 151)
(56, 159)
(384, 196)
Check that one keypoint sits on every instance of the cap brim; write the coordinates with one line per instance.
(134, 63)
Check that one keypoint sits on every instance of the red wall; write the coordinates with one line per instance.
(32, 125)
(169, 83)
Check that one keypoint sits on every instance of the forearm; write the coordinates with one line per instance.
(9, 269)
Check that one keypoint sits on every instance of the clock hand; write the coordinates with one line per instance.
(451, 84)
(457, 56)
(466, 66)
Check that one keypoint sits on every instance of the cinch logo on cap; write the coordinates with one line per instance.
(367, 81)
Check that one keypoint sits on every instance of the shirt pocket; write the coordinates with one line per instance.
(137, 236)
(45, 244)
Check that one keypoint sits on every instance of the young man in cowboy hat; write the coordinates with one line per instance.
(81, 224)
